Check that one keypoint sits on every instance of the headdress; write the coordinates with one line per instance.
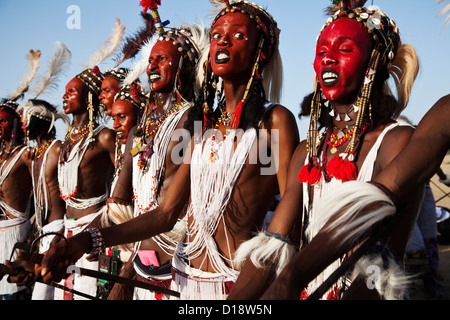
(134, 94)
(11, 102)
(192, 42)
(40, 109)
(267, 55)
(388, 52)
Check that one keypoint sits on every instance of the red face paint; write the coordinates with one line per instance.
(233, 45)
(342, 55)
(6, 125)
(110, 87)
(74, 96)
(124, 116)
(162, 67)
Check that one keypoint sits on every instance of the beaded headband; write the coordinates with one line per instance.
(181, 38)
(116, 73)
(383, 29)
(264, 21)
(11, 106)
(134, 94)
(93, 79)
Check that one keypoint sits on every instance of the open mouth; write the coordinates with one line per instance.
(65, 105)
(329, 77)
(222, 56)
(120, 134)
(154, 76)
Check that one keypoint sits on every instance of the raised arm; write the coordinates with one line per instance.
(413, 166)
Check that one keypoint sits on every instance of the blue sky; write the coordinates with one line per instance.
(36, 25)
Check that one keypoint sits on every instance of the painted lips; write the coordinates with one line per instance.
(154, 76)
(329, 77)
(222, 56)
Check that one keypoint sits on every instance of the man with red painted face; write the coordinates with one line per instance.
(149, 164)
(110, 87)
(85, 167)
(14, 196)
(129, 104)
(353, 135)
(226, 184)
(15, 181)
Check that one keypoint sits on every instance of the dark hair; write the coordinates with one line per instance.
(38, 126)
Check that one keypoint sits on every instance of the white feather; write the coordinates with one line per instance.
(57, 63)
(265, 251)
(33, 60)
(342, 214)
(31, 108)
(109, 47)
(140, 66)
(391, 282)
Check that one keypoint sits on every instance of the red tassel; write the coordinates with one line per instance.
(349, 171)
(149, 4)
(303, 175)
(334, 165)
(96, 70)
(237, 114)
(309, 173)
(314, 174)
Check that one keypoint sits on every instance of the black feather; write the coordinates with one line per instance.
(132, 44)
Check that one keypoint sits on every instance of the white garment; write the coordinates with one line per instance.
(83, 284)
(321, 189)
(11, 230)
(40, 189)
(145, 187)
(42, 291)
(195, 284)
(68, 172)
(212, 184)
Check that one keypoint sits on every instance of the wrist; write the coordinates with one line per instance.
(96, 243)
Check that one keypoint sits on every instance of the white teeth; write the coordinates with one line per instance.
(329, 76)
(155, 76)
(222, 56)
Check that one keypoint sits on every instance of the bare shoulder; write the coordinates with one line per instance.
(394, 141)
(278, 117)
(107, 137)
(398, 135)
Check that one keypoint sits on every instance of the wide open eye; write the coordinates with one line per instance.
(239, 35)
(216, 36)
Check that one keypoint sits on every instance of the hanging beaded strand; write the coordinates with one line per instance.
(365, 100)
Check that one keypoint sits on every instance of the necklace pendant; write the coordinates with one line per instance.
(149, 150)
(136, 150)
(333, 150)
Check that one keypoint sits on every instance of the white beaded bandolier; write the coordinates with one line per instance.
(214, 183)
(68, 175)
(146, 182)
(4, 173)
